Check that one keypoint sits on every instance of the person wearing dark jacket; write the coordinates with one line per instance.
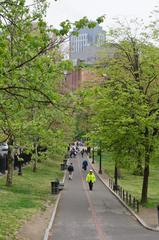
(82, 152)
(84, 165)
(70, 171)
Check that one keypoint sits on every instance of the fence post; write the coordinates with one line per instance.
(134, 200)
(121, 190)
(137, 205)
(130, 200)
(127, 197)
(123, 195)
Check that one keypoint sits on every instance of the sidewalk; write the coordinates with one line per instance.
(96, 215)
(148, 215)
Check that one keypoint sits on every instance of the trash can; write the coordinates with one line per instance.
(55, 187)
(65, 162)
(63, 167)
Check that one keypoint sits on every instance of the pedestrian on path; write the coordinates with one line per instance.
(70, 171)
(90, 178)
(73, 152)
(82, 152)
(84, 164)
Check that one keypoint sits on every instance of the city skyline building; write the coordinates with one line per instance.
(87, 45)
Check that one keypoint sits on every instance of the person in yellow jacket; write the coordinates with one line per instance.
(90, 178)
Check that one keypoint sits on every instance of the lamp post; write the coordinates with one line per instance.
(93, 155)
(100, 161)
(115, 187)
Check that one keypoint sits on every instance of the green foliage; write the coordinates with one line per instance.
(123, 111)
(67, 26)
(32, 69)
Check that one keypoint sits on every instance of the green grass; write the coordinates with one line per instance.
(132, 183)
(27, 195)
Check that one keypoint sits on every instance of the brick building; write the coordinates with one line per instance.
(79, 78)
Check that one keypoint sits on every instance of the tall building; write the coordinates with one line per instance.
(87, 45)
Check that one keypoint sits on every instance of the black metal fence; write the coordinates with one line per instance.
(4, 160)
(130, 200)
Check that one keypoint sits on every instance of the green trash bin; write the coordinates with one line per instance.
(63, 167)
(55, 187)
(65, 162)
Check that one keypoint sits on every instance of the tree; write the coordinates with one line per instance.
(126, 105)
(31, 68)
(135, 68)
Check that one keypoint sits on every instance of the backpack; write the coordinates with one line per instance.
(70, 168)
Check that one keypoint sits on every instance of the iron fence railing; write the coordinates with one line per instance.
(130, 200)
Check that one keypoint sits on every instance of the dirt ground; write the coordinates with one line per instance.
(149, 216)
(34, 229)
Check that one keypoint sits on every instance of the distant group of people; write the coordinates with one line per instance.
(85, 150)
(75, 148)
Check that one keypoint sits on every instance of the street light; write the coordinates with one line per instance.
(93, 155)
(100, 160)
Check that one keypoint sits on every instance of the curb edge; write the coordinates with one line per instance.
(124, 204)
(46, 235)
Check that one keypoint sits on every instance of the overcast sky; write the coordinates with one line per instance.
(75, 9)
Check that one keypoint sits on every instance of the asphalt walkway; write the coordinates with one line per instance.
(96, 215)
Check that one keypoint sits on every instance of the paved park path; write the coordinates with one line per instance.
(96, 215)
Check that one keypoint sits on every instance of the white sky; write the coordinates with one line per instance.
(75, 9)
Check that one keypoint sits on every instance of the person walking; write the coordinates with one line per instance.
(90, 178)
(82, 152)
(70, 171)
(84, 164)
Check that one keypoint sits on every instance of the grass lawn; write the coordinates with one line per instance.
(132, 183)
(27, 195)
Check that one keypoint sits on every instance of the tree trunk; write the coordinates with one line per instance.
(9, 180)
(145, 184)
(36, 157)
(146, 168)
